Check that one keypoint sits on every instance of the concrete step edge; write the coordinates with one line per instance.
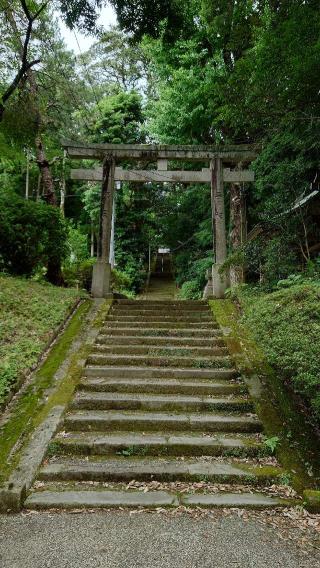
(158, 372)
(169, 386)
(174, 341)
(152, 499)
(158, 351)
(153, 443)
(101, 468)
(128, 401)
(136, 420)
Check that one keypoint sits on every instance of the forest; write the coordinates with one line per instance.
(197, 72)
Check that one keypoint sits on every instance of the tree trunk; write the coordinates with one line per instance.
(46, 176)
(54, 274)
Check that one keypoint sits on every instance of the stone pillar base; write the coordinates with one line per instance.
(220, 282)
(101, 280)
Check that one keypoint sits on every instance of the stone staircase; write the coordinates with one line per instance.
(160, 419)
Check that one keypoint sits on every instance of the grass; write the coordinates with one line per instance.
(286, 324)
(298, 447)
(30, 313)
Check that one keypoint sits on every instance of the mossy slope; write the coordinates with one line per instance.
(298, 449)
(30, 313)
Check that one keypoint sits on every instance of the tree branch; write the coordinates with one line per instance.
(25, 64)
(15, 83)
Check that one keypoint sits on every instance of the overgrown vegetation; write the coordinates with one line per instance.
(30, 312)
(31, 235)
(286, 323)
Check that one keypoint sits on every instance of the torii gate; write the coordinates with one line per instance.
(225, 166)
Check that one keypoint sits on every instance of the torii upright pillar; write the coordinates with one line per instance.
(219, 281)
(101, 277)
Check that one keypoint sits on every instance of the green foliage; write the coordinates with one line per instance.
(80, 13)
(285, 479)
(122, 282)
(190, 290)
(272, 443)
(29, 314)
(277, 260)
(292, 280)
(271, 261)
(286, 324)
(115, 64)
(118, 119)
(77, 243)
(143, 17)
(79, 274)
(31, 235)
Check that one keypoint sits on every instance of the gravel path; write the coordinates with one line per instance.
(120, 540)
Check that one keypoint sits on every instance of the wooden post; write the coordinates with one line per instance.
(220, 240)
(101, 279)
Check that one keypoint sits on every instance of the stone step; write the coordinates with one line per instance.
(155, 444)
(217, 470)
(105, 420)
(169, 386)
(159, 324)
(153, 361)
(166, 332)
(103, 498)
(184, 342)
(79, 499)
(160, 317)
(170, 303)
(159, 351)
(159, 372)
(158, 310)
(129, 401)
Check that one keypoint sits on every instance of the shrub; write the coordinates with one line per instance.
(79, 274)
(31, 235)
(192, 270)
(190, 290)
(77, 243)
(286, 324)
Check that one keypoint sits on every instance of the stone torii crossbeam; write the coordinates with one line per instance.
(226, 165)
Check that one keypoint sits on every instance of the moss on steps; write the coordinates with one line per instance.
(37, 399)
